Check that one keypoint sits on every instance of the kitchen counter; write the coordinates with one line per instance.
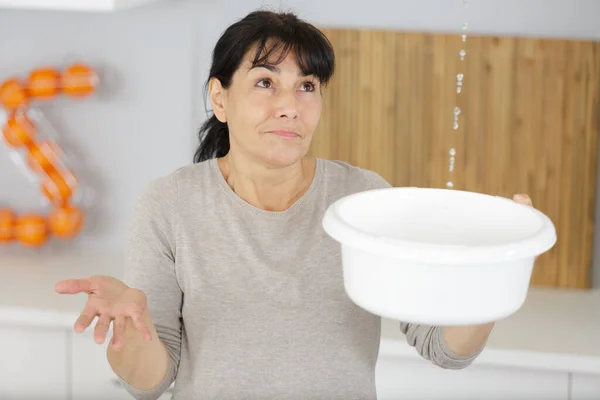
(554, 330)
(27, 281)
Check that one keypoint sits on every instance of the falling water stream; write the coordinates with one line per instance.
(459, 87)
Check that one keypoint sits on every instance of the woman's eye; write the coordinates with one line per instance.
(308, 86)
(264, 83)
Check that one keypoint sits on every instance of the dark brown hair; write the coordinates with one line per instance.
(281, 32)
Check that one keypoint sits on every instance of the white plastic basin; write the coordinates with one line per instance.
(437, 256)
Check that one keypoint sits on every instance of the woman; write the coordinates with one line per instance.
(232, 286)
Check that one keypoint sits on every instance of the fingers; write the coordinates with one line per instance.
(107, 311)
(85, 318)
(526, 200)
(73, 286)
(101, 328)
(140, 325)
(135, 311)
(118, 339)
(523, 199)
(119, 325)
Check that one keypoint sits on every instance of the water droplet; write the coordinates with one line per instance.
(452, 160)
(451, 168)
(449, 185)
(464, 27)
(458, 89)
(460, 77)
(464, 38)
(455, 125)
(462, 54)
(456, 110)
(452, 152)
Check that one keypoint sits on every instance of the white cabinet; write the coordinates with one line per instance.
(92, 376)
(404, 378)
(46, 363)
(585, 387)
(33, 363)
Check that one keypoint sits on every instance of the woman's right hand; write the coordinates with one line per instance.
(110, 300)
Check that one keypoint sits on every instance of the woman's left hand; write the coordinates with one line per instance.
(523, 199)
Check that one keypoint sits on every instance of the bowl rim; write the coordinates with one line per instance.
(348, 235)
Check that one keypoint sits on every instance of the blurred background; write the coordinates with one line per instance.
(528, 121)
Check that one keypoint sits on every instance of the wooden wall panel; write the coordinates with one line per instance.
(528, 123)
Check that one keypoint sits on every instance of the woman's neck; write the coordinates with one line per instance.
(264, 187)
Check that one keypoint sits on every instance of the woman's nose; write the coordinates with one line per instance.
(286, 104)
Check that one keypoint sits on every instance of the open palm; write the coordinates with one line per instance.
(110, 300)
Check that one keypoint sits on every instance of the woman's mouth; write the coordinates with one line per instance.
(285, 133)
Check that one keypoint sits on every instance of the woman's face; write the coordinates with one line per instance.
(272, 112)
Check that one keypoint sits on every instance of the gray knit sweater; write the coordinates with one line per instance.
(251, 303)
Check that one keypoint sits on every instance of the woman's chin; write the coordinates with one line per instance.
(280, 157)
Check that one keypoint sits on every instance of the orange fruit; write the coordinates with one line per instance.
(42, 156)
(43, 83)
(65, 222)
(19, 130)
(58, 186)
(13, 94)
(31, 230)
(7, 222)
(79, 80)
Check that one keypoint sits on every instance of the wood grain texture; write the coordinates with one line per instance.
(528, 123)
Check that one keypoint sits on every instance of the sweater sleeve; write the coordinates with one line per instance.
(430, 344)
(427, 340)
(150, 267)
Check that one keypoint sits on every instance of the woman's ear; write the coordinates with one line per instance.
(217, 99)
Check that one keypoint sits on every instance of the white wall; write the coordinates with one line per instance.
(146, 124)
